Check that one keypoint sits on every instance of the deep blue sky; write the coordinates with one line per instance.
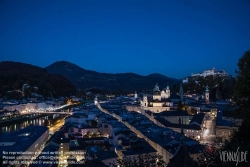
(171, 37)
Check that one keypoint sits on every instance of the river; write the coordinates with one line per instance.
(42, 121)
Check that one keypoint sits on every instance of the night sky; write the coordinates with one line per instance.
(171, 37)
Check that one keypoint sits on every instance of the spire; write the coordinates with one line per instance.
(182, 136)
(156, 87)
(182, 127)
(167, 86)
(96, 101)
(207, 94)
(207, 90)
(135, 95)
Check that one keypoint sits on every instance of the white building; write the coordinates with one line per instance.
(18, 107)
(82, 117)
(185, 80)
(31, 106)
(76, 99)
(41, 105)
(95, 101)
(159, 102)
(135, 95)
(212, 72)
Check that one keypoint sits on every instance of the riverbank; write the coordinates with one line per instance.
(26, 117)
(21, 119)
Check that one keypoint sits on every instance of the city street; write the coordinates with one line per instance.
(56, 127)
(209, 131)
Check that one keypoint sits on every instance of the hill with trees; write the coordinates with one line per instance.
(219, 87)
(240, 140)
(19, 80)
(85, 79)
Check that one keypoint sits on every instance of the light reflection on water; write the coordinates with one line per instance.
(20, 125)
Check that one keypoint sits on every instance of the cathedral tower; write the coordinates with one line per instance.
(168, 91)
(207, 95)
(95, 101)
(145, 101)
(135, 96)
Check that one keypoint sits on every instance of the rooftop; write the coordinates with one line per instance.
(169, 124)
(172, 113)
(198, 118)
(136, 151)
(100, 154)
(46, 152)
(21, 140)
(221, 122)
(58, 137)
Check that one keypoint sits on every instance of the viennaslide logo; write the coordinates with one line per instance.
(234, 156)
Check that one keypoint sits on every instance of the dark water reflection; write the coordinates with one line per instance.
(20, 125)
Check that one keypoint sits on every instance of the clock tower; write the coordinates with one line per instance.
(207, 95)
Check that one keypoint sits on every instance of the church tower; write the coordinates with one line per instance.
(207, 95)
(167, 87)
(168, 91)
(181, 93)
(156, 88)
(135, 96)
(182, 137)
(95, 101)
(156, 93)
(145, 101)
(181, 156)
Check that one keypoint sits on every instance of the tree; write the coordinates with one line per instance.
(240, 140)
(88, 134)
(93, 123)
(192, 111)
(1, 161)
(180, 105)
(242, 86)
(218, 93)
(141, 160)
(210, 156)
(186, 108)
(94, 135)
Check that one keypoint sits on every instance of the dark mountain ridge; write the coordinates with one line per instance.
(13, 75)
(86, 79)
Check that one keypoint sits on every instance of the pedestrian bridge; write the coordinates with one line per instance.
(51, 112)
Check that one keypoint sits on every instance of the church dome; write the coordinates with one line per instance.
(156, 88)
(157, 93)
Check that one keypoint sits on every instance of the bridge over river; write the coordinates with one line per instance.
(50, 112)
